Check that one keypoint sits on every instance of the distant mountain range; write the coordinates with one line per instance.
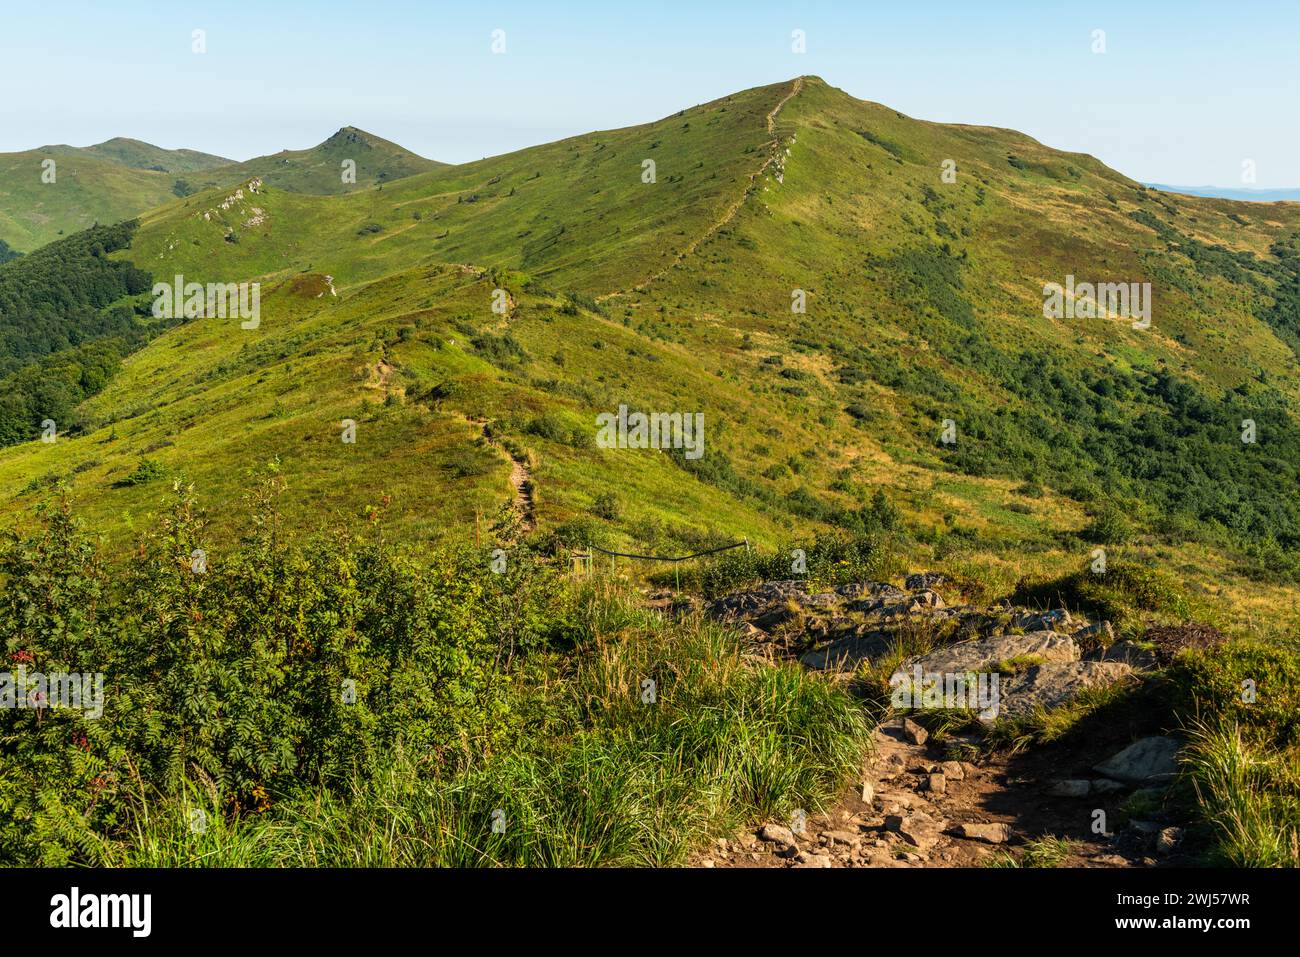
(1229, 192)
(139, 155)
(121, 178)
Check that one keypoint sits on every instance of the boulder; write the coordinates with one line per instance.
(925, 599)
(777, 834)
(1052, 685)
(988, 833)
(1054, 620)
(1070, 788)
(755, 599)
(814, 860)
(914, 733)
(1145, 761)
(878, 590)
(778, 616)
(1167, 840)
(848, 652)
(1130, 654)
(936, 783)
(984, 654)
(825, 599)
(922, 580)
(916, 829)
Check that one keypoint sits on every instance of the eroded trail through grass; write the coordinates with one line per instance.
(985, 812)
(521, 477)
(522, 481)
(773, 154)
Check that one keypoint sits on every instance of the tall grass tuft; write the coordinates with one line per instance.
(1249, 799)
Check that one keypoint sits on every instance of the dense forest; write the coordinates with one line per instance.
(65, 323)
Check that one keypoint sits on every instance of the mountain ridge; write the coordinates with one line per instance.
(1248, 195)
(923, 304)
(137, 154)
(124, 177)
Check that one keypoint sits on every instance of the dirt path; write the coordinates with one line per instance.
(772, 113)
(1095, 795)
(983, 811)
(774, 153)
(521, 478)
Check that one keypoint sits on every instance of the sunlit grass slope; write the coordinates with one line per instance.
(923, 304)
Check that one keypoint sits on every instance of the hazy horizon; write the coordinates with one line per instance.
(1221, 190)
(1170, 100)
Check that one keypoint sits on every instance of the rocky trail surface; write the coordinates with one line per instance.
(1098, 797)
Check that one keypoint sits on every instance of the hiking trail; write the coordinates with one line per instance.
(774, 154)
(1096, 796)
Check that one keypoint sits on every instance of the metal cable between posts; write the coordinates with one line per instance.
(665, 558)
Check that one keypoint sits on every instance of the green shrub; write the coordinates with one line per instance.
(325, 703)
(1212, 684)
(1121, 594)
(233, 678)
(147, 471)
(1109, 527)
(555, 428)
(605, 505)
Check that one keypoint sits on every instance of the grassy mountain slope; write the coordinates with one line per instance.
(924, 303)
(319, 170)
(86, 190)
(137, 154)
(121, 178)
(422, 387)
(575, 214)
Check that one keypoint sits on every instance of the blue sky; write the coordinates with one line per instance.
(1185, 92)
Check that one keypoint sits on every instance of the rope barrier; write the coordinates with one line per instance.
(665, 558)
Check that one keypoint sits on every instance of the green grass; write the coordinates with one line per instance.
(86, 190)
(1043, 852)
(729, 748)
(1240, 705)
(1249, 798)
